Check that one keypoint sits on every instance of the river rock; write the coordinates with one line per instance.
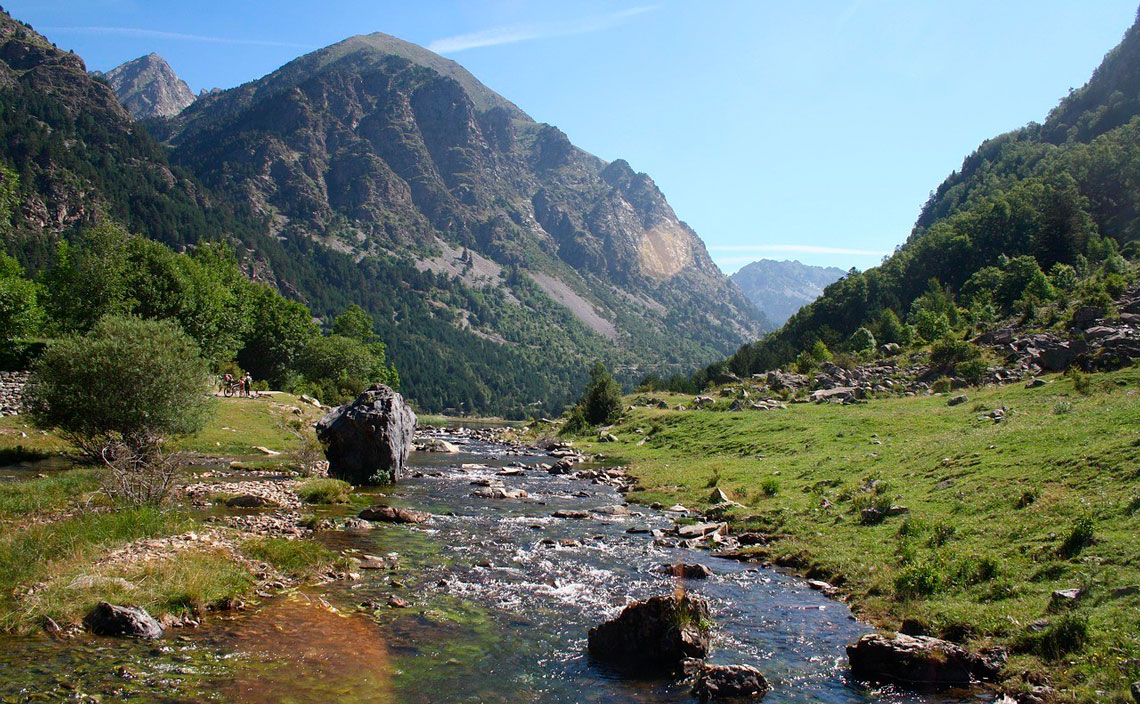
(655, 635)
(250, 501)
(390, 514)
(500, 492)
(920, 662)
(685, 570)
(736, 682)
(368, 441)
(125, 621)
(438, 445)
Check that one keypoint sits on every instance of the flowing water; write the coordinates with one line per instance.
(502, 597)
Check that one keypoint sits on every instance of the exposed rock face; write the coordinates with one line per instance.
(735, 682)
(779, 289)
(148, 87)
(920, 662)
(368, 441)
(655, 635)
(11, 392)
(127, 621)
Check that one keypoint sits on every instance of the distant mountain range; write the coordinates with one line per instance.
(497, 259)
(780, 288)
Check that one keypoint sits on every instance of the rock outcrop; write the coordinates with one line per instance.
(920, 662)
(123, 621)
(655, 635)
(368, 441)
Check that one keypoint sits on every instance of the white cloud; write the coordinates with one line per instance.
(800, 248)
(158, 34)
(509, 34)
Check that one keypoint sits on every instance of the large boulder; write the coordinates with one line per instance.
(127, 621)
(735, 682)
(654, 636)
(920, 662)
(368, 441)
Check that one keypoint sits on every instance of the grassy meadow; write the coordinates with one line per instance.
(998, 515)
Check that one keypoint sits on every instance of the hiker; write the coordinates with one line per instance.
(247, 382)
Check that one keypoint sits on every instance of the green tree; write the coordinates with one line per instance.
(337, 368)
(120, 393)
(355, 323)
(20, 313)
(89, 279)
(601, 403)
(278, 330)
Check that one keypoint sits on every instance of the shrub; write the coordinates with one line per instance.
(119, 394)
(917, 580)
(941, 534)
(1080, 536)
(1061, 408)
(940, 386)
(1068, 634)
(770, 487)
(862, 340)
(324, 491)
(947, 353)
(1082, 384)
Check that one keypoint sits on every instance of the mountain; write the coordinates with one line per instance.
(497, 259)
(147, 87)
(1061, 198)
(780, 288)
(384, 151)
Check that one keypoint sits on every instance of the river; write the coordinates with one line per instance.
(502, 595)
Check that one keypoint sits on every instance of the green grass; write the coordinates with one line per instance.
(242, 424)
(297, 558)
(60, 552)
(22, 499)
(1000, 514)
(324, 491)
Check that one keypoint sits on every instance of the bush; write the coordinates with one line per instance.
(940, 386)
(946, 354)
(862, 340)
(324, 491)
(917, 580)
(119, 394)
(770, 487)
(1067, 635)
(1080, 536)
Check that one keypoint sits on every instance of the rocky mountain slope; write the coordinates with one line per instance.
(780, 288)
(147, 87)
(497, 259)
(380, 149)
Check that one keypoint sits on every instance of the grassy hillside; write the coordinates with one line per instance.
(999, 514)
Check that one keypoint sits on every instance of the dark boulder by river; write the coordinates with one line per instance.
(921, 662)
(368, 441)
(128, 621)
(655, 635)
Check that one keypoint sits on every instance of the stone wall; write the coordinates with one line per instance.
(11, 388)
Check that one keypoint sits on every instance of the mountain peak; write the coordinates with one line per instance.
(147, 87)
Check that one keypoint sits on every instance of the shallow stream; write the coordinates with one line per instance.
(502, 597)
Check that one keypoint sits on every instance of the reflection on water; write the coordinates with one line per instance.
(502, 597)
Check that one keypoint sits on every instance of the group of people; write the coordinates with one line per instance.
(245, 384)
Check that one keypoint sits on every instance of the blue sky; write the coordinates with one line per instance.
(812, 131)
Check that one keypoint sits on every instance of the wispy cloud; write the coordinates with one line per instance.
(179, 36)
(510, 34)
(800, 248)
